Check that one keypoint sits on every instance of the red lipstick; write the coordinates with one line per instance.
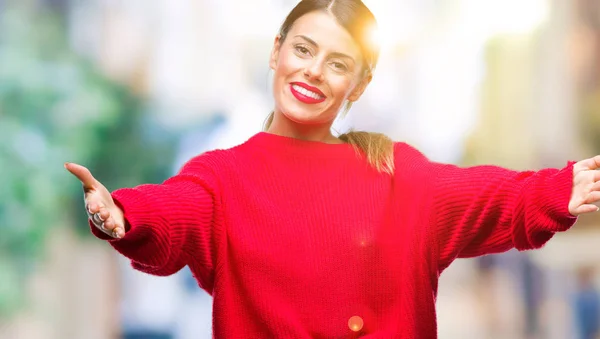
(303, 97)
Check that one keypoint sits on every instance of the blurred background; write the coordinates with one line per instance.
(132, 89)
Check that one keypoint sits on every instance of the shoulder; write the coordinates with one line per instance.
(210, 169)
(220, 160)
(413, 164)
(405, 154)
(403, 148)
(214, 160)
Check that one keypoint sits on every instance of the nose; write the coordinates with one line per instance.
(314, 71)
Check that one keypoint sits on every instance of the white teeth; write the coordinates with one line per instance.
(307, 92)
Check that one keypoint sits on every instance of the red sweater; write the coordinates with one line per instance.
(294, 238)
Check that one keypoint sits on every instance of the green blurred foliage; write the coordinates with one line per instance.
(56, 107)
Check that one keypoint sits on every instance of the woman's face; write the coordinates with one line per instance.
(317, 68)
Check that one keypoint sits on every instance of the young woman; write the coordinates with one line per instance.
(297, 233)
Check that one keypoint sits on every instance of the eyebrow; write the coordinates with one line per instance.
(314, 43)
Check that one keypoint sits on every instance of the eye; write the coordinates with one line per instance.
(338, 66)
(302, 50)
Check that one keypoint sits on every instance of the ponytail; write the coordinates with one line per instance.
(376, 147)
(268, 121)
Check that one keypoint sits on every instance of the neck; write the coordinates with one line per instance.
(321, 132)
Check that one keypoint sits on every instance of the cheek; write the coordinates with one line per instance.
(341, 86)
(287, 64)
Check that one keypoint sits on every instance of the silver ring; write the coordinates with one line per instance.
(97, 219)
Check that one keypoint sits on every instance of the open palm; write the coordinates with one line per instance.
(100, 206)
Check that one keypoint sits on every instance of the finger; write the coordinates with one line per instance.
(118, 233)
(108, 227)
(113, 229)
(94, 207)
(591, 163)
(592, 198)
(97, 220)
(103, 213)
(100, 217)
(596, 186)
(586, 209)
(83, 174)
(109, 224)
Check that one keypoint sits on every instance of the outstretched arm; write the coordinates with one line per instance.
(159, 227)
(487, 209)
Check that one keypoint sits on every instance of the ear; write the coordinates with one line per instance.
(275, 53)
(360, 88)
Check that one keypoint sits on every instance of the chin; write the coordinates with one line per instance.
(307, 118)
(311, 115)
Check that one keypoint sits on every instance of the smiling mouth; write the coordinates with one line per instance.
(305, 95)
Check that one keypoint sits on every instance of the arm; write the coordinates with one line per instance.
(487, 209)
(171, 224)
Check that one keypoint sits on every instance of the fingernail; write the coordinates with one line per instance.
(116, 233)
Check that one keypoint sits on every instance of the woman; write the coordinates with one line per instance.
(296, 234)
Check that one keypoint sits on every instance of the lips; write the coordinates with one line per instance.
(306, 93)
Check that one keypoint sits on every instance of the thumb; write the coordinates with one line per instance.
(83, 174)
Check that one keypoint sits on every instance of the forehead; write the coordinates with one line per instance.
(326, 32)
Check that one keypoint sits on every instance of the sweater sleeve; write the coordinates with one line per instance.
(487, 209)
(170, 224)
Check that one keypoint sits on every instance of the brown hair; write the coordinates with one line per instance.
(357, 19)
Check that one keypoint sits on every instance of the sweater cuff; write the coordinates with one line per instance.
(555, 194)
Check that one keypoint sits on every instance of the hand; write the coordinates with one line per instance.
(586, 187)
(99, 204)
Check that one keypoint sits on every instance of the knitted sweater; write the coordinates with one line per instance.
(302, 239)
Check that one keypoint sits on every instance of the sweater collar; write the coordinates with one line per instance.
(286, 144)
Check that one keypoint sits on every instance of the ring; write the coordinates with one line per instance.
(97, 219)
